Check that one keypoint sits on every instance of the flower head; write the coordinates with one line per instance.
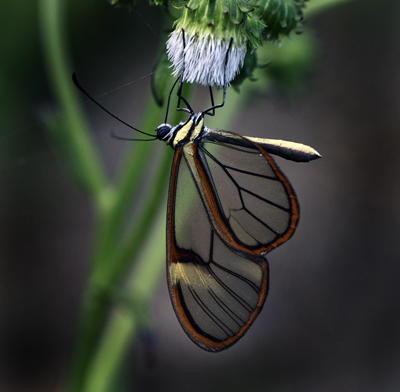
(211, 37)
(205, 57)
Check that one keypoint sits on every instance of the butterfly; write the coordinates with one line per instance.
(228, 206)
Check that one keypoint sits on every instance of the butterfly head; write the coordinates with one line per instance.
(163, 132)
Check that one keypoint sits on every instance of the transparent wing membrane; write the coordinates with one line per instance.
(228, 205)
(257, 202)
(216, 292)
(219, 301)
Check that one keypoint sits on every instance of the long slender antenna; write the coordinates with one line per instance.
(115, 136)
(213, 107)
(77, 84)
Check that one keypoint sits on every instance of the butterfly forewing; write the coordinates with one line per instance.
(216, 293)
(256, 201)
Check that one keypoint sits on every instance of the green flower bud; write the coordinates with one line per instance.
(280, 17)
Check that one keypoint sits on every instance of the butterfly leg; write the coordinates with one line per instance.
(180, 96)
(211, 110)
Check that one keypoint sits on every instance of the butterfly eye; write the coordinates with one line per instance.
(163, 131)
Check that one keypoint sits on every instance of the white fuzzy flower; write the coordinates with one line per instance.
(204, 56)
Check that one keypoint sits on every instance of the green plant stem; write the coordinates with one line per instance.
(142, 224)
(124, 322)
(110, 266)
(102, 278)
(72, 136)
(133, 171)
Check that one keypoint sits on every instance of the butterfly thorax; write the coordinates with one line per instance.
(190, 130)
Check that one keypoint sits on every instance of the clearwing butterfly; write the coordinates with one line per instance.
(228, 206)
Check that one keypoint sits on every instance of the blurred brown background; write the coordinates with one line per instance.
(331, 320)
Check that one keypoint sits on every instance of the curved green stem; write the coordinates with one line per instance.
(111, 264)
(71, 135)
(114, 252)
(124, 323)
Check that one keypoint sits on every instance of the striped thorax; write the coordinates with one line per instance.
(190, 130)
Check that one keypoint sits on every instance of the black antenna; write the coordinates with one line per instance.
(77, 84)
(115, 136)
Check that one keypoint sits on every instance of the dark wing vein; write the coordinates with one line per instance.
(263, 199)
(225, 308)
(240, 300)
(235, 168)
(210, 313)
(241, 189)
